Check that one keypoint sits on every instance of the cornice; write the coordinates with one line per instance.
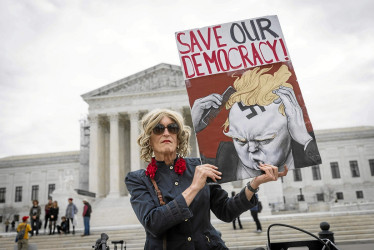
(39, 160)
(161, 76)
(340, 134)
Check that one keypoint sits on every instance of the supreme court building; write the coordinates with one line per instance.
(109, 150)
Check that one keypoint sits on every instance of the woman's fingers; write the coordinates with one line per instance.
(202, 172)
(210, 171)
(271, 172)
(284, 172)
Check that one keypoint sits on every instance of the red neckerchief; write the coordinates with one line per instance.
(179, 167)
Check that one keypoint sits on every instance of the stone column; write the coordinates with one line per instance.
(193, 139)
(12, 189)
(43, 188)
(114, 168)
(28, 189)
(134, 147)
(96, 182)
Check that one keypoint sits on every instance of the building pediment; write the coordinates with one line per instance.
(160, 77)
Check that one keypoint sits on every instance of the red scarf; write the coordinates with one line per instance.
(179, 167)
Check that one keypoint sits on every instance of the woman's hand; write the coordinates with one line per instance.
(202, 172)
(271, 174)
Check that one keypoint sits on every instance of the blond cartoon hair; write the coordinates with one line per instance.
(255, 87)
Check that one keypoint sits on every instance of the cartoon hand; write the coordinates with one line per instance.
(201, 105)
(295, 120)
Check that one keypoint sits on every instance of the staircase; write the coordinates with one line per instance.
(348, 228)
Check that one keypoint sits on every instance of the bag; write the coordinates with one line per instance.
(259, 206)
(21, 234)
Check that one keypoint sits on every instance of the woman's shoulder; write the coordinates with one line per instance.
(135, 176)
(193, 161)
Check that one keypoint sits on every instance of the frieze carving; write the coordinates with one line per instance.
(162, 79)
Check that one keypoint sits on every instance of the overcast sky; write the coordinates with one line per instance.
(52, 52)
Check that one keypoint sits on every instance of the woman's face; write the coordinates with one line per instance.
(165, 143)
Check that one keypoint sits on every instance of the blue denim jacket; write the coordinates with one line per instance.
(184, 227)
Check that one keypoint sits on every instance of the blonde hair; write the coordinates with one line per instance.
(255, 87)
(150, 120)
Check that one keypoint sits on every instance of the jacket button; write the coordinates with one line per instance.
(189, 239)
(171, 167)
(176, 183)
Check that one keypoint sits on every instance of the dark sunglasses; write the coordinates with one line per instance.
(159, 129)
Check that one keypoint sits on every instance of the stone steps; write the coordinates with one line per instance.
(348, 228)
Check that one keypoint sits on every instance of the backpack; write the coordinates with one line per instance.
(21, 233)
(259, 206)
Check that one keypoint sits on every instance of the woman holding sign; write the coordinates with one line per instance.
(171, 198)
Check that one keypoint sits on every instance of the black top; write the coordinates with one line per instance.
(54, 211)
(184, 227)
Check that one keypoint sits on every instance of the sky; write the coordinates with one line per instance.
(52, 52)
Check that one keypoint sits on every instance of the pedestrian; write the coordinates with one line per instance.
(6, 225)
(63, 227)
(87, 210)
(13, 226)
(47, 215)
(53, 218)
(238, 218)
(35, 212)
(254, 213)
(71, 211)
(171, 198)
(23, 244)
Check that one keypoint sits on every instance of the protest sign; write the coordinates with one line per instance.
(246, 104)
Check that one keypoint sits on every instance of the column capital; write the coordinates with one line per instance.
(113, 117)
(93, 118)
(134, 115)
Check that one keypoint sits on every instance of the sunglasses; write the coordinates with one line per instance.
(159, 129)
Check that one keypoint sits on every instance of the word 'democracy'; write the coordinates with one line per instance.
(231, 46)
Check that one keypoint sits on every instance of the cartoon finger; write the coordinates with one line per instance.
(290, 93)
(217, 98)
(285, 100)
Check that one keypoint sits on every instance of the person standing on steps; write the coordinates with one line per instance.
(238, 218)
(47, 216)
(71, 211)
(254, 213)
(35, 212)
(86, 217)
(54, 216)
(23, 243)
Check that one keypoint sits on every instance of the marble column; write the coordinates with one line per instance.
(27, 195)
(134, 133)
(12, 189)
(193, 139)
(114, 168)
(43, 191)
(96, 181)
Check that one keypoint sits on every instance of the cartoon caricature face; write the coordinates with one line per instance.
(259, 134)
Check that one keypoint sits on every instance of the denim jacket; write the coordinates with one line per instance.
(183, 227)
